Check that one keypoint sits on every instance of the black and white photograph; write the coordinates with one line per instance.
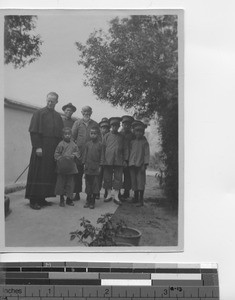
(93, 130)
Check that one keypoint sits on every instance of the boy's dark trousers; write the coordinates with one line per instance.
(101, 176)
(101, 181)
(139, 197)
(113, 177)
(78, 178)
(65, 185)
(126, 182)
(92, 184)
(138, 178)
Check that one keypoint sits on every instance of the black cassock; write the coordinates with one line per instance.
(45, 132)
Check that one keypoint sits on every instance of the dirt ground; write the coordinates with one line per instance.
(50, 226)
(156, 221)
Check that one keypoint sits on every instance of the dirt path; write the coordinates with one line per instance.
(50, 226)
(158, 225)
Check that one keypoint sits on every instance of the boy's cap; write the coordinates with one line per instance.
(65, 129)
(126, 118)
(115, 120)
(69, 105)
(86, 108)
(104, 122)
(95, 128)
(138, 125)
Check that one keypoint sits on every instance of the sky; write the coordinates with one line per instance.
(57, 69)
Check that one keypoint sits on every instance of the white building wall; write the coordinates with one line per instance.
(17, 144)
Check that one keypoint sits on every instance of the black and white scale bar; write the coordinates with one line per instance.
(80, 280)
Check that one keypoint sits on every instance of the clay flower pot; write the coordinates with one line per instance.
(129, 235)
(122, 244)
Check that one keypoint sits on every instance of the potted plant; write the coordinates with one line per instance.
(109, 234)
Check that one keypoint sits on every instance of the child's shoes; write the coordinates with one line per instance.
(69, 202)
(62, 201)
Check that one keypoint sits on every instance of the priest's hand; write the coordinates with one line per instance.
(39, 152)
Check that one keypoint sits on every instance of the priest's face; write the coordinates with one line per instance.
(51, 101)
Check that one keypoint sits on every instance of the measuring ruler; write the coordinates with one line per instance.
(113, 281)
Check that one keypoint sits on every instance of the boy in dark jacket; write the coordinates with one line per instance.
(91, 160)
(65, 154)
(104, 128)
(81, 135)
(138, 162)
(114, 158)
(128, 137)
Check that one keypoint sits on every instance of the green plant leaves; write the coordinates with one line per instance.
(91, 235)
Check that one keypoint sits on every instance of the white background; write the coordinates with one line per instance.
(209, 125)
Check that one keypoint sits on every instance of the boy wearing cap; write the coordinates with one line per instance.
(81, 135)
(91, 160)
(68, 109)
(128, 137)
(104, 128)
(114, 158)
(138, 162)
(65, 154)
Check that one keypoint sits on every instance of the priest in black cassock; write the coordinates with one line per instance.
(45, 133)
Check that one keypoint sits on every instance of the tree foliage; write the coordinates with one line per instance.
(21, 45)
(135, 65)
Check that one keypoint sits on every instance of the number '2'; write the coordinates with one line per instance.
(106, 292)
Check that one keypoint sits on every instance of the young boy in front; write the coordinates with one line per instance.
(114, 158)
(65, 155)
(138, 162)
(91, 160)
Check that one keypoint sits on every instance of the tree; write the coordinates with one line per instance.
(21, 45)
(135, 65)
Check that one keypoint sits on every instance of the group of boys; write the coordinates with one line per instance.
(108, 156)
